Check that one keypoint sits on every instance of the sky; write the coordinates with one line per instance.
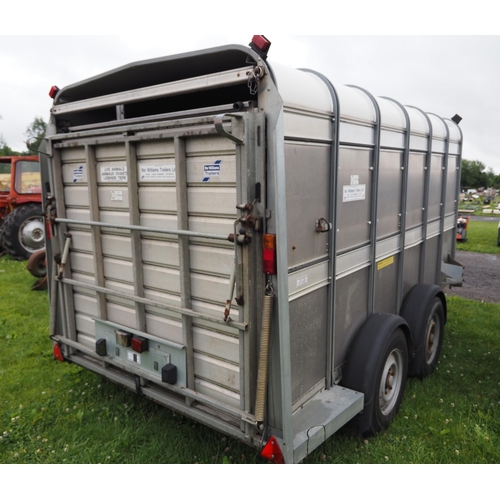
(445, 74)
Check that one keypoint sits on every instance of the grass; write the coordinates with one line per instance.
(56, 413)
(478, 206)
(482, 237)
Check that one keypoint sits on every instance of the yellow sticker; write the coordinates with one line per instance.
(385, 263)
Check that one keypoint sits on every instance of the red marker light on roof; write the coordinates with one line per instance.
(53, 91)
(269, 254)
(272, 452)
(261, 45)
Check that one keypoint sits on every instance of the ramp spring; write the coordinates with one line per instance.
(260, 398)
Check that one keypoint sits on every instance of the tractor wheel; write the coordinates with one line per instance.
(23, 231)
(37, 264)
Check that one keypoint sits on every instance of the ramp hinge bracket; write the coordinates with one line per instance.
(219, 127)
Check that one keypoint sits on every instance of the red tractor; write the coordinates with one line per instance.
(21, 214)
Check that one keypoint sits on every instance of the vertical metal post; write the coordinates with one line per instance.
(95, 230)
(425, 208)
(444, 177)
(278, 152)
(245, 176)
(270, 100)
(64, 300)
(404, 199)
(135, 237)
(459, 174)
(374, 201)
(184, 259)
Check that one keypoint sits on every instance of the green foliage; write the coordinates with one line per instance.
(35, 133)
(473, 174)
(55, 413)
(5, 150)
(476, 175)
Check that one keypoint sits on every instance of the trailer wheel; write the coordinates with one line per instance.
(424, 309)
(377, 366)
(23, 231)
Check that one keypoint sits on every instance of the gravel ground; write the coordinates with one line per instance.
(481, 277)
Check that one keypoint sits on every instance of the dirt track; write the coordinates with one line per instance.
(481, 277)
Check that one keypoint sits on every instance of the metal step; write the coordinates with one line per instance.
(322, 416)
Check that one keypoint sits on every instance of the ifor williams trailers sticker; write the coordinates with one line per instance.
(211, 170)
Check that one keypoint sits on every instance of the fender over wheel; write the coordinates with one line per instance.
(424, 309)
(377, 366)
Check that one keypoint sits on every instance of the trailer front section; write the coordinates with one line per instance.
(249, 244)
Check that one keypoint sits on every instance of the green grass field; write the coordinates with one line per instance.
(482, 237)
(478, 206)
(54, 413)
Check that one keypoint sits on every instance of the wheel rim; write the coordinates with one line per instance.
(432, 338)
(390, 383)
(31, 234)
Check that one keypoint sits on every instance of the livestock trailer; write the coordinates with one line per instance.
(249, 244)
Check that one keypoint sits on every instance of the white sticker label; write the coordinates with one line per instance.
(157, 173)
(211, 170)
(354, 180)
(302, 281)
(114, 173)
(116, 195)
(134, 357)
(354, 193)
(78, 174)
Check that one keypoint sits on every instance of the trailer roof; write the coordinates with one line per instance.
(159, 70)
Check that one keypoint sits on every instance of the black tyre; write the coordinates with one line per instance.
(23, 231)
(424, 309)
(37, 265)
(377, 366)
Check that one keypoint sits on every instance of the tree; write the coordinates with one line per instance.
(5, 150)
(474, 175)
(35, 133)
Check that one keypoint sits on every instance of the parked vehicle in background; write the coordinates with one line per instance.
(249, 244)
(21, 214)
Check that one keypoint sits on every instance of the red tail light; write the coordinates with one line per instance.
(57, 352)
(269, 265)
(140, 344)
(272, 452)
